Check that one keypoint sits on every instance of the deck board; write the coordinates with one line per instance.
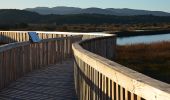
(55, 82)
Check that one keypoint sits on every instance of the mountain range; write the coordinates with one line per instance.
(62, 10)
(13, 17)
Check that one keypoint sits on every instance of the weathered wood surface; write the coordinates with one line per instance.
(97, 78)
(20, 36)
(55, 82)
(17, 59)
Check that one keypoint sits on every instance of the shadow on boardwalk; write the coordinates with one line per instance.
(55, 82)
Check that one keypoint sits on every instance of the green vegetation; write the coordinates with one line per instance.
(151, 59)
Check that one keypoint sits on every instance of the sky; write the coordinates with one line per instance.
(155, 5)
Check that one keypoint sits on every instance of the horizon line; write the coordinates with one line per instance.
(84, 8)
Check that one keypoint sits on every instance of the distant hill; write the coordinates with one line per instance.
(55, 10)
(108, 11)
(13, 16)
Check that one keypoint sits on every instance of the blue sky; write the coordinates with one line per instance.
(161, 5)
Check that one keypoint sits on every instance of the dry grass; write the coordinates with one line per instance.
(150, 59)
(92, 27)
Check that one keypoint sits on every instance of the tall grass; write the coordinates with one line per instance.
(150, 59)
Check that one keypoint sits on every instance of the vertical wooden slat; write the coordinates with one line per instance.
(117, 92)
(132, 96)
(100, 85)
(112, 89)
(121, 93)
(138, 98)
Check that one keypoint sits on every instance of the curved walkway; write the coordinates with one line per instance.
(50, 83)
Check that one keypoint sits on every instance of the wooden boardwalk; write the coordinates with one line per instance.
(55, 82)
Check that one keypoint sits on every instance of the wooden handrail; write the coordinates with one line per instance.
(20, 36)
(17, 59)
(98, 78)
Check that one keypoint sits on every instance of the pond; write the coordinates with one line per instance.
(143, 39)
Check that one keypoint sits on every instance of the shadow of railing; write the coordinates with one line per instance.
(90, 87)
(6, 39)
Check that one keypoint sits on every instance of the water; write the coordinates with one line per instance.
(143, 39)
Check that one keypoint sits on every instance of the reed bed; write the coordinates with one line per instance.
(150, 59)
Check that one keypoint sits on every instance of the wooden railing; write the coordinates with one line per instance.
(98, 78)
(20, 36)
(17, 59)
(21, 56)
